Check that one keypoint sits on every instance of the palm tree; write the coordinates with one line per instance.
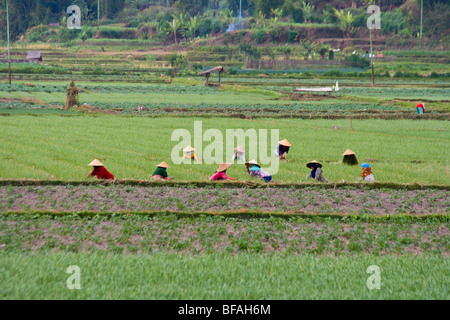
(176, 25)
(345, 21)
(308, 10)
(226, 16)
(192, 26)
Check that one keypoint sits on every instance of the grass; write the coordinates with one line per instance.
(54, 147)
(247, 276)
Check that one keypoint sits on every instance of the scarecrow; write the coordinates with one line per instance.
(349, 158)
(283, 148)
(160, 173)
(366, 174)
(72, 96)
(254, 169)
(221, 173)
(99, 170)
(189, 153)
(239, 154)
(316, 171)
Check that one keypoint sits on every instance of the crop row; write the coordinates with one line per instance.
(349, 200)
(142, 234)
(19, 87)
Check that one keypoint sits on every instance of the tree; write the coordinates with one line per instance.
(174, 27)
(345, 21)
(193, 7)
(192, 26)
(324, 48)
(266, 5)
(308, 10)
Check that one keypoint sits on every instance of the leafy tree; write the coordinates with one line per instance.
(192, 26)
(193, 7)
(266, 5)
(308, 10)
(345, 21)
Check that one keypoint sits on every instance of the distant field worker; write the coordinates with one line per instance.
(366, 173)
(221, 173)
(239, 154)
(99, 170)
(254, 169)
(420, 107)
(349, 158)
(160, 173)
(189, 153)
(283, 148)
(316, 172)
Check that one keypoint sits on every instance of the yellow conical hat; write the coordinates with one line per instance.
(188, 149)
(314, 161)
(96, 163)
(240, 149)
(163, 165)
(252, 162)
(285, 143)
(223, 166)
(348, 152)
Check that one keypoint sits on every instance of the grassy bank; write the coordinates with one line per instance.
(174, 276)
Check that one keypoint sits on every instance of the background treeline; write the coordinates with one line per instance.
(166, 18)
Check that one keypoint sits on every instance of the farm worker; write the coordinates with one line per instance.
(161, 173)
(420, 107)
(239, 154)
(99, 170)
(316, 172)
(349, 158)
(221, 173)
(254, 169)
(283, 148)
(189, 153)
(366, 173)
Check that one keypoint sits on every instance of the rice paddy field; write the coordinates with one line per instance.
(190, 238)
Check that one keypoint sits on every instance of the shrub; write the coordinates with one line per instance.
(205, 28)
(293, 35)
(260, 36)
(356, 61)
(275, 33)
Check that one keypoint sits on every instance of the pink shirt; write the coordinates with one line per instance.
(219, 176)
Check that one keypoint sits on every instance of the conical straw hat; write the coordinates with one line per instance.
(223, 166)
(251, 163)
(239, 149)
(163, 165)
(188, 149)
(96, 163)
(314, 161)
(348, 152)
(285, 143)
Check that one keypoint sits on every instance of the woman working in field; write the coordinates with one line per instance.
(316, 172)
(189, 153)
(283, 148)
(366, 174)
(349, 158)
(221, 173)
(99, 171)
(239, 154)
(254, 169)
(160, 173)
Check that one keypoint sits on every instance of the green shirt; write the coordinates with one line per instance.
(160, 172)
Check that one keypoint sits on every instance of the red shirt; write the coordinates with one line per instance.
(219, 176)
(420, 105)
(101, 173)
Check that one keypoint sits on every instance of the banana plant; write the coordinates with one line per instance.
(345, 21)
